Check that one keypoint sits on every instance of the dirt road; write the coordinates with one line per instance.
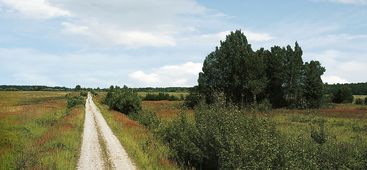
(100, 147)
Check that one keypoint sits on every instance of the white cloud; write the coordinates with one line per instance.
(105, 34)
(143, 77)
(134, 24)
(169, 75)
(333, 80)
(38, 9)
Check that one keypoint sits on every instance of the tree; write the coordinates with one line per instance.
(256, 75)
(313, 91)
(294, 72)
(233, 69)
(78, 88)
(275, 72)
(124, 100)
(343, 95)
(244, 77)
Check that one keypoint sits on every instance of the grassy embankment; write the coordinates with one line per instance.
(145, 150)
(37, 131)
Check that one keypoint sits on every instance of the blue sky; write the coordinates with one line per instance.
(163, 43)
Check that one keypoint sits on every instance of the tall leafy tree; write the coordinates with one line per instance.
(313, 91)
(275, 72)
(244, 76)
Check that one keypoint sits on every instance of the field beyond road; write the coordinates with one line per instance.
(38, 131)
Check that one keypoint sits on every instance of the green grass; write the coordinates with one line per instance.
(38, 132)
(145, 150)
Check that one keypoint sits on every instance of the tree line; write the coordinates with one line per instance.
(356, 88)
(244, 76)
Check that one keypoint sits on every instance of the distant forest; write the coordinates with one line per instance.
(56, 88)
(357, 88)
(32, 88)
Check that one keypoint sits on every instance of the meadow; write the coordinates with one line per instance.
(38, 131)
(344, 129)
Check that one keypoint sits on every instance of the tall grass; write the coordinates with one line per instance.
(36, 132)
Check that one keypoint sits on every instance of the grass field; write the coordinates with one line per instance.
(38, 132)
(147, 151)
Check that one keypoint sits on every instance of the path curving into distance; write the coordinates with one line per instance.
(100, 147)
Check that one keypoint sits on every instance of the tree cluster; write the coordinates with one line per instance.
(123, 99)
(244, 76)
(342, 95)
(160, 96)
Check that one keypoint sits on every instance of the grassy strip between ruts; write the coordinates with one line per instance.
(142, 147)
(39, 135)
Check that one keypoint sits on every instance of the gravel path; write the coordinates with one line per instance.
(97, 133)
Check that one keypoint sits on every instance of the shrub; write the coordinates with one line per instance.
(359, 101)
(74, 100)
(148, 119)
(94, 92)
(365, 101)
(182, 136)
(160, 96)
(224, 137)
(319, 134)
(124, 100)
(192, 100)
(343, 95)
(84, 93)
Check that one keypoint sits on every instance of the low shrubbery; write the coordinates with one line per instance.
(160, 96)
(148, 119)
(84, 93)
(192, 99)
(222, 136)
(124, 100)
(74, 100)
(343, 95)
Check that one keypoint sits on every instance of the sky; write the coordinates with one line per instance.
(160, 43)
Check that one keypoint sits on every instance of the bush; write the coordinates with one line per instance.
(94, 92)
(124, 100)
(84, 93)
(343, 95)
(365, 101)
(160, 96)
(182, 136)
(223, 137)
(148, 119)
(74, 100)
(359, 101)
(192, 100)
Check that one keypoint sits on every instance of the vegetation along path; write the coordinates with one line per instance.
(100, 147)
